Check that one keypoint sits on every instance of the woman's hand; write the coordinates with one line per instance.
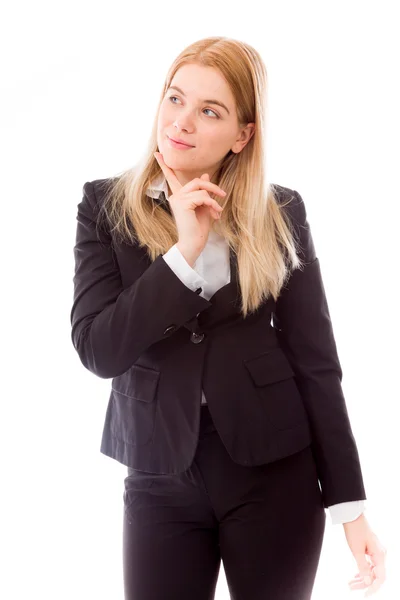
(369, 553)
(192, 206)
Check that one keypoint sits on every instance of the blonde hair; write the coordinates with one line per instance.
(252, 223)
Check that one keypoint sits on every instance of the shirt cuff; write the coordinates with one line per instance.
(344, 512)
(174, 258)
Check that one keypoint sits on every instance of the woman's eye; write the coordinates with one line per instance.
(212, 112)
(172, 97)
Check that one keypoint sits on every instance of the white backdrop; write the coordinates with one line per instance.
(80, 83)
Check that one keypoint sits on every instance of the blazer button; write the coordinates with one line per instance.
(196, 338)
(170, 329)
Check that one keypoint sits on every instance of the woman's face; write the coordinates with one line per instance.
(189, 115)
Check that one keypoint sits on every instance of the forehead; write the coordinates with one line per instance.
(203, 82)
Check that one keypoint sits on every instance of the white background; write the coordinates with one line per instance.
(80, 83)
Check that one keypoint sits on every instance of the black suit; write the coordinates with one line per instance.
(272, 381)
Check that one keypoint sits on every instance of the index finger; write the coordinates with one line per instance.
(379, 572)
(169, 174)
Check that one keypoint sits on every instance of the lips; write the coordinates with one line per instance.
(180, 142)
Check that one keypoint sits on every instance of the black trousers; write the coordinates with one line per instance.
(266, 523)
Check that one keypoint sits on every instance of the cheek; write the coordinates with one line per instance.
(161, 120)
(214, 142)
(162, 116)
(162, 128)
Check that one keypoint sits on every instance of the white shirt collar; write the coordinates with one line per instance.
(158, 185)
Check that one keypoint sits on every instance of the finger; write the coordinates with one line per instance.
(373, 588)
(359, 579)
(379, 573)
(378, 567)
(198, 198)
(214, 213)
(364, 566)
(169, 174)
(203, 184)
(357, 585)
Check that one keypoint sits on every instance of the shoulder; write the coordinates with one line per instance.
(94, 195)
(97, 188)
(293, 205)
(92, 204)
(291, 202)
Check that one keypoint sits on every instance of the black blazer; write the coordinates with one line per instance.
(272, 381)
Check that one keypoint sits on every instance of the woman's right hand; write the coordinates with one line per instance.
(192, 207)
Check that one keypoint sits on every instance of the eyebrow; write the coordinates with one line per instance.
(208, 101)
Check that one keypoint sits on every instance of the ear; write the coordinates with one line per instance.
(244, 137)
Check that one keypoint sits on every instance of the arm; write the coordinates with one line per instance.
(112, 326)
(304, 330)
(340, 513)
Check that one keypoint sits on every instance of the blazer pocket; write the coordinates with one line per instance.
(134, 409)
(275, 384)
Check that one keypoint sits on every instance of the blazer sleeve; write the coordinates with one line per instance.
(112, 326)
(305, 333)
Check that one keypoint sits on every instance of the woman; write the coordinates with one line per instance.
(227, 423)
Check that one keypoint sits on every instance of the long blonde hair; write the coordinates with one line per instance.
(252, 223)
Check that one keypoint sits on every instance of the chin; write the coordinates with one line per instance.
(171, 157)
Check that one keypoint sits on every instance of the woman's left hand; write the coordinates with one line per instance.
(369, 553)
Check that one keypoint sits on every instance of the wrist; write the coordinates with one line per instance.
(189, 254)
(355, 521)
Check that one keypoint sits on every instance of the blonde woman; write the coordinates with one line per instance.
(198, 292)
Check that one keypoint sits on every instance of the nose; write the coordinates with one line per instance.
(183, 124)
(179, 127)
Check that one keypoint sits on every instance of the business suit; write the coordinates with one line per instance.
(210, 272)
(134, 321)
